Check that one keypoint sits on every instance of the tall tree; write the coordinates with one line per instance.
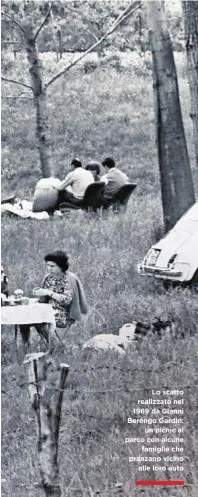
(176, 179)
(190, 11)
(25, 22)
(25, 26)
(40, 98)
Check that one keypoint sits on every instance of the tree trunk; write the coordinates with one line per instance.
(13, 41)
(40, 100)
(190, 11)
(175, 173)
(60, 43)
(47, 407)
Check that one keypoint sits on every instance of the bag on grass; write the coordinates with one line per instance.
(46, 195)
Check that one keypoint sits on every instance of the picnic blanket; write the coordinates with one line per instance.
(23, 208)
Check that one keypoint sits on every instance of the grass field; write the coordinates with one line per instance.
(91, 116)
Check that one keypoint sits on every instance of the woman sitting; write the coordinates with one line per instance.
(64, 291)
(95, 168)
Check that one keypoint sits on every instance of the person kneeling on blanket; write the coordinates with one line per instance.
(64, 291)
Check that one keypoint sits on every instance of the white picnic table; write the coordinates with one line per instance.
(33, 313)
(28, 314)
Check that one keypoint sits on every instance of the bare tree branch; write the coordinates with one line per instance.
(14, 20)
(122, 17)
(21, 96)
(72, 9)
(11, 42)
(16, 82)
(127, 12)
(44, 21)
(92, 34)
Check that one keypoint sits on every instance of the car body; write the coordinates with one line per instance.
(175, 256)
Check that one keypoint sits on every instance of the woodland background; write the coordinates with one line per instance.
(106, 109)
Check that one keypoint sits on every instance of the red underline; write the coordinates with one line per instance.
(160, 482)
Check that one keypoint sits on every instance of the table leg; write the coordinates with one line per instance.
(24, 345)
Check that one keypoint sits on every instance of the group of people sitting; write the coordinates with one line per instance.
(93, 186)
(73, 187)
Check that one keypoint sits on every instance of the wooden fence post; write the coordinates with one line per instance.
(46, 402)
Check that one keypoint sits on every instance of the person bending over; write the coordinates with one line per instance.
(73, 187)
(113, 177)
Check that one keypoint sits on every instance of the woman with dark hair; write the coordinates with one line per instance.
(63, 290)
(95, 168)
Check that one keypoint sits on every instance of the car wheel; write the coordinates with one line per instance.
(168, 284)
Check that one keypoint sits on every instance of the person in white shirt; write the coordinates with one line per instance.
(73, 187)
(113, 178)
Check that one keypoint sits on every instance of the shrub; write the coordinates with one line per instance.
(89, 66)
(113, 62)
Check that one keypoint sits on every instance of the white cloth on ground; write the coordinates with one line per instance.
(23, 208)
